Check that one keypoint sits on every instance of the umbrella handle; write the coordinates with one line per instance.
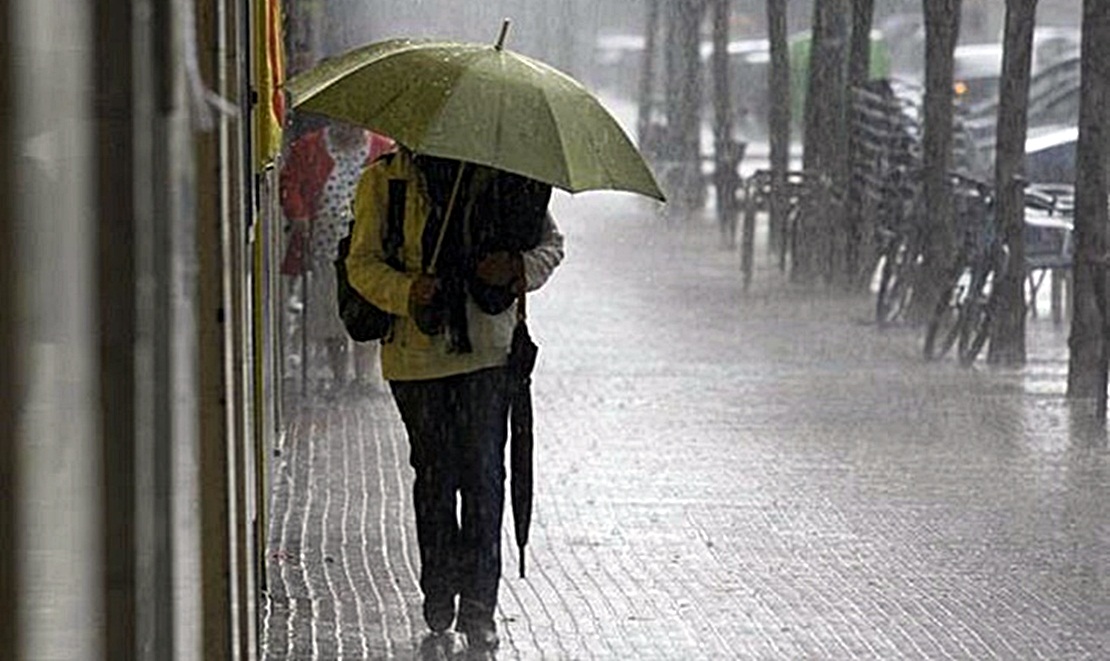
(446, 218)
(500, 45)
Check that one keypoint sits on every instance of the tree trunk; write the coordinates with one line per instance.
(647, 71)
(778, 85)
(859, 59)
(683, 104)
(726, 177)
(942, 27)
(826, 142)
(1087, 367)
(1007, 345)
(860, 260)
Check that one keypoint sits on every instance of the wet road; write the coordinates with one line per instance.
(726, 475)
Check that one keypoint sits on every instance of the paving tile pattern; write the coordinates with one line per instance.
(725, 475)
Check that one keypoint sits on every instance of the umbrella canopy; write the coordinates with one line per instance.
(482, 104)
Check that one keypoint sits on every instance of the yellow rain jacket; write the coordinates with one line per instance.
(409, 354)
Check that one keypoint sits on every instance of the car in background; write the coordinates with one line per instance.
(1052, 45)
(978, 65)
(1050, 155)
(619, 59)
(1054, 95)
(976, 74)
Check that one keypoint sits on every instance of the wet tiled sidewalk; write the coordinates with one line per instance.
(724, 475)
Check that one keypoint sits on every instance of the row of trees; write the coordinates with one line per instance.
(839, 59)
(836, 68)
(826, 127)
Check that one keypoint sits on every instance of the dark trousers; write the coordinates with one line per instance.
(457, 428)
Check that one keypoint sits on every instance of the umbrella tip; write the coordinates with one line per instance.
(504, 33)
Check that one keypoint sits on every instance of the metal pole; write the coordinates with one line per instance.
(115, 285)
(214, 433)
(307, 264)
(163, 468)
(154, 513)
(238, 90)
(10, 370)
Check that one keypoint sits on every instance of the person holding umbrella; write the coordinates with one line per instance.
(475, 239)
(486, 133)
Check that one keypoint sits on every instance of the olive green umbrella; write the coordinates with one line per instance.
(481, 104)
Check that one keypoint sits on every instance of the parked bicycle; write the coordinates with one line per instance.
(963, 316)
(963, 302)
(887, 139)
(901, 241)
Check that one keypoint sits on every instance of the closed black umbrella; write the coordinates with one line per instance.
(522, 359)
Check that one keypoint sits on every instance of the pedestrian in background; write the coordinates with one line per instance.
(446, 358)
(318, 178)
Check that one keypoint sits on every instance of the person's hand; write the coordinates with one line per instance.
(500, 269)
(423, 290)
(424, 307)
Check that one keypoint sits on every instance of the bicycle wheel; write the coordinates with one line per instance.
(944, 324)
(895, 284)
(975, 326)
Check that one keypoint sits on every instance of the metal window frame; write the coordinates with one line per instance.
(9, 370)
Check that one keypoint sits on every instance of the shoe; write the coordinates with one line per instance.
(480, 655)
(439, 613)
(442, 646)
(481, 636)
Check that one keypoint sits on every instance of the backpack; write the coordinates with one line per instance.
(363, 320)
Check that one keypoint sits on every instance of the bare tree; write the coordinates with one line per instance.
(778, 84)
(647, 70)
(726, 178)
(942, 28)
(859, 69)
(1087, 367)
(826, 140)
(683, 101)
(1008, 326)
(859, 58)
